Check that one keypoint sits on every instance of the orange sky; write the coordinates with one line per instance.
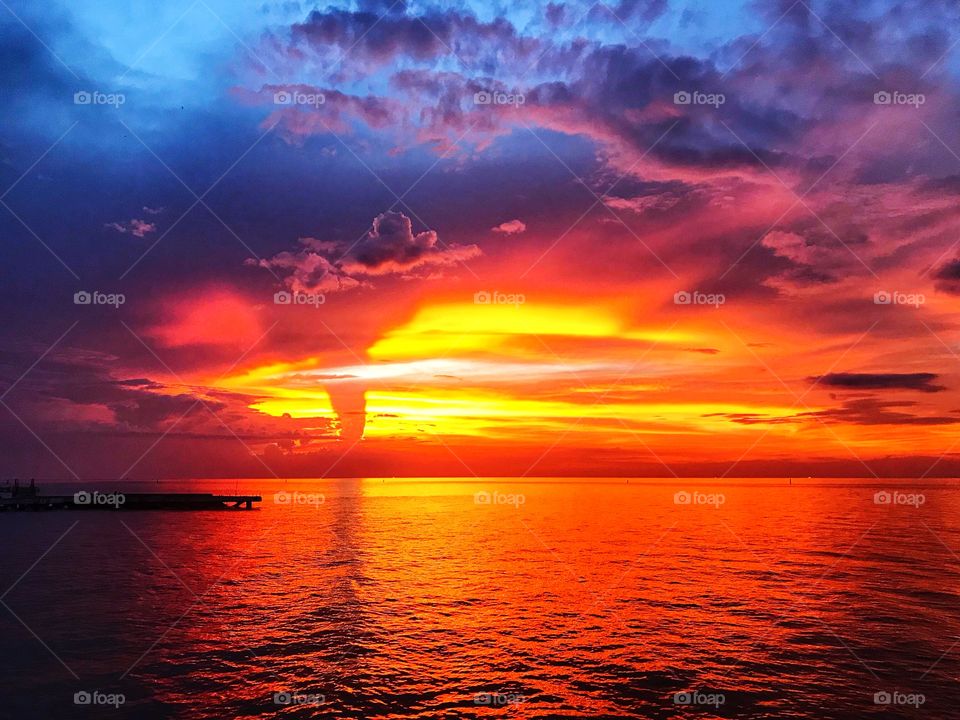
(612, 376)
(530, 246)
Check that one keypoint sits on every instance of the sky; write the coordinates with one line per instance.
(624, 238)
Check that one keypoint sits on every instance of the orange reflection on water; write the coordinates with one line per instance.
(433, 599)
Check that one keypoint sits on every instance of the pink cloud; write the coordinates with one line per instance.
(511, 227)
(211, 317)
(135, 227)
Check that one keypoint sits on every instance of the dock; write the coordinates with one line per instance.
(18, 498)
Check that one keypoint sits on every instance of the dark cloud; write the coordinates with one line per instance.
(753, 418)
(555, 13)
(646, 10)
(369, 34)
(947, 277)
(81, 387)
(151, 410)
(389, 246)
(384, 6)
(615, 94)
(621, 94)
(859, 411)
(872, 411)
(374, 39)
(922, 382)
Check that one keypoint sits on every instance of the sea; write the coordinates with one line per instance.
(488, 597)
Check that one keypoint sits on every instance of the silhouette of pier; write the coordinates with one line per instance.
(20, 498)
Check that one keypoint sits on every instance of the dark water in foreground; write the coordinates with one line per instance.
(411, 599)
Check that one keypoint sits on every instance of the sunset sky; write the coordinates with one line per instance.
(643, 237)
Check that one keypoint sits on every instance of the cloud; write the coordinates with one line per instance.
(599, 97)
(307, 110)
(858, 411)
(511, 227)
(388, 247)
(211, 317)
(309, 270)
(793, 247)
(923, 382)
(73, 388)
(872, 411)
(151, 410)
(644, 203)
(137, 228)
(947, 277)
(753, 418)
(375, 39)
(813, 103)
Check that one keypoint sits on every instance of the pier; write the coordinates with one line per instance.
(19, 498)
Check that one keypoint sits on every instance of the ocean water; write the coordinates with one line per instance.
(416, 598)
